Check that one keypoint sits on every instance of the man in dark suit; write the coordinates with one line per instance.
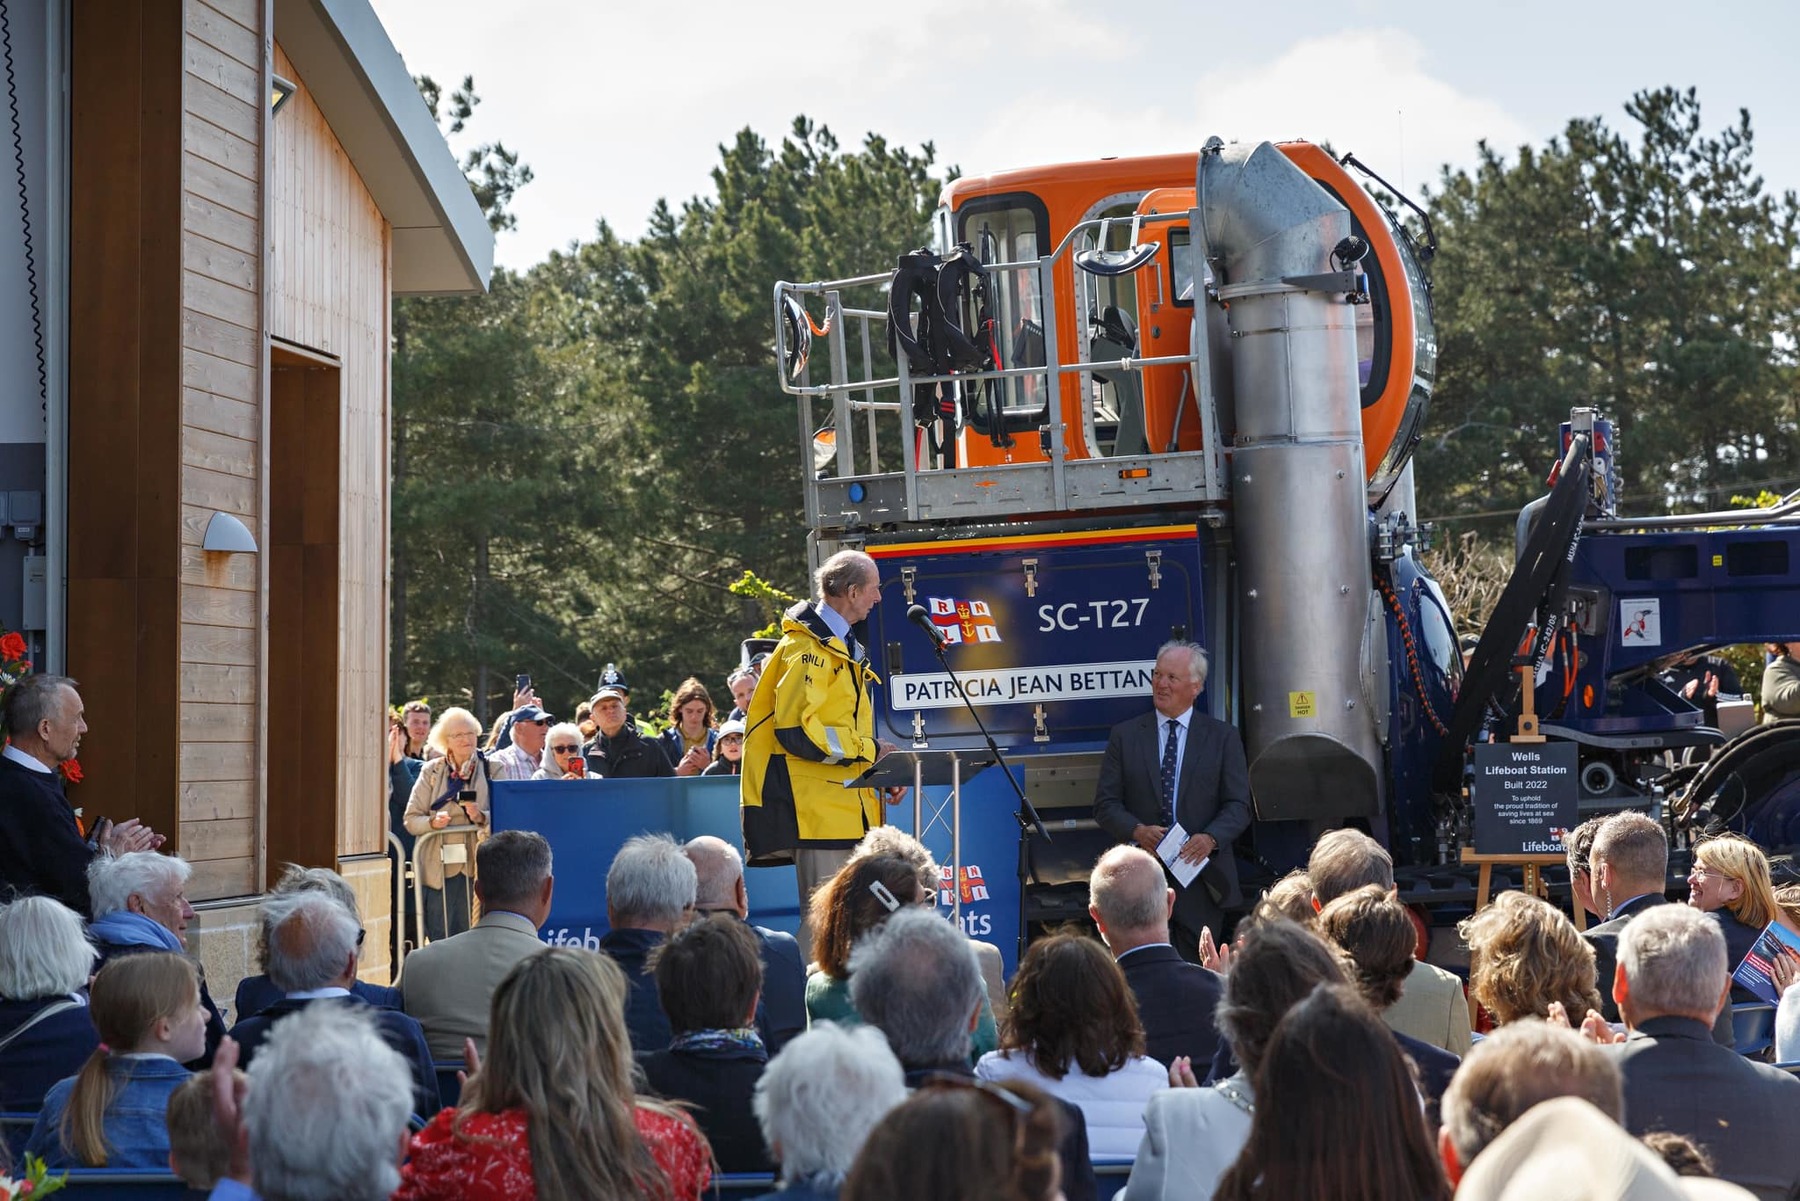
(313, 944)
(1671, 983)
(1629, 865)
(42, 848)
(1130, 901)
(1629, 862)
(1177, 765)
(781, 1008)
(649, 892)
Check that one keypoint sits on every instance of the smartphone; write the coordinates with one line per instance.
(521, 682)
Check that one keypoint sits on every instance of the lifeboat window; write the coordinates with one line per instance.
(1011, 229)
(1181, 266)
(1438, 633)
(1114, 420)
(1110, 301)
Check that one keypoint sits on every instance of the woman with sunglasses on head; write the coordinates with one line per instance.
(562, 758)
(963, 1140)
(860, 898)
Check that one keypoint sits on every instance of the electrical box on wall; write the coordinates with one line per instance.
(25, 514)
(35, 593)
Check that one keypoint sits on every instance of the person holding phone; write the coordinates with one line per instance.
(690, 738)
(452, 790)
(563, 757)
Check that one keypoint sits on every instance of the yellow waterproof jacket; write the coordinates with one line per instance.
(809, 728)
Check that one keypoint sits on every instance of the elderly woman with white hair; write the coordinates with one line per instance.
(817, 1101)
(563, 759)
(452, 790)
(140, 904)
(46, 1032)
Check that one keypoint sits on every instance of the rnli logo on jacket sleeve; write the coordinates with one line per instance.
(962, 621)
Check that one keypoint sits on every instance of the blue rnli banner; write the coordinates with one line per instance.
(586, 821)
(1052, 637)
(988, 880)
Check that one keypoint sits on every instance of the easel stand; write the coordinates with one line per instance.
(1534, 877)
(1533, 864)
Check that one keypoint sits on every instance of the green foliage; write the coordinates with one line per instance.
(1653, 279)
(771, 600)
(494, 172)
(592, 460)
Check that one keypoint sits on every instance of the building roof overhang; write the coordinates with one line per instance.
(442, 243)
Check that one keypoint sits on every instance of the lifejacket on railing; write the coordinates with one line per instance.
(940, 318)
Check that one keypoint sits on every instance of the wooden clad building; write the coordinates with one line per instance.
(243, 186)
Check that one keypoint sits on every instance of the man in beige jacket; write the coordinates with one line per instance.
(447, 984)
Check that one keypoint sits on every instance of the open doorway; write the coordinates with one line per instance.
(305, 430)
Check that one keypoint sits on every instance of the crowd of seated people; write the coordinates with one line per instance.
(1300, 1084)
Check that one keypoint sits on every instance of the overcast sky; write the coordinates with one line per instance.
(615, 103)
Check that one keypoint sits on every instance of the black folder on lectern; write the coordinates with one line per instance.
(934, 768)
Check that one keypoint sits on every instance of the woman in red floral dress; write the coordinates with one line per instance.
(552, 1112)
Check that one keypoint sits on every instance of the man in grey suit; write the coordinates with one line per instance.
(448, 984)
(1671, 982)
(1177, 765)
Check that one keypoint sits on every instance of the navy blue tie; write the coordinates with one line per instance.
(1168, 775)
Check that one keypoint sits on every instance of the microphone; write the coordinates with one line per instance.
(919, 617)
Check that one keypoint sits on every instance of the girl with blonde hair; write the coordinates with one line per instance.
(552, 1112)
(112, 1113)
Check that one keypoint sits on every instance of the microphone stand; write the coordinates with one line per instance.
(1026, 814)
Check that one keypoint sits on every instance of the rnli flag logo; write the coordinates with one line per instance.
(972, 887)
(962, 621)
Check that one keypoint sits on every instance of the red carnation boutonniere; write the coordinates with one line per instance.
(71, 770)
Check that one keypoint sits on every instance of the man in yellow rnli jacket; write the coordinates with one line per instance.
(810, 728)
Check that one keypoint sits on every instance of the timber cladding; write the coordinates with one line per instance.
(126, 383)
(202, 233)
(329, 292)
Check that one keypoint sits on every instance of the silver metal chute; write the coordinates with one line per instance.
(1297, 485)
